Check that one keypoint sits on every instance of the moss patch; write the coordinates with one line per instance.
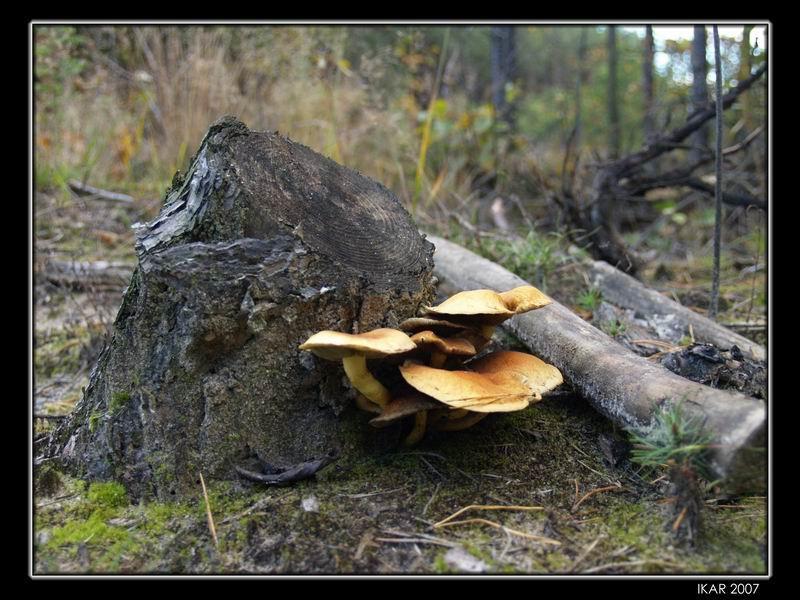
(118, 401)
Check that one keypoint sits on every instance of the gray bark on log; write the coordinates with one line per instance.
(84, 275)
(262, 244)
(621, 385)
(623, 290)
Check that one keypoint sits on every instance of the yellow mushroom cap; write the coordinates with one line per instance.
(478, 392)
(454, 346)
(403, 406)
(334, 345)
(524, 298)
(490, 307)
(485, 304)
(538, 376)
(438, 326)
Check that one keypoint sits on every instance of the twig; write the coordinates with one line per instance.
(680, 518)
(608, 488)
(87, 190)
(416, 541)
(424, 536)
(430, 501)
(530, 536)
(259, 504)
(485, 507)
(211, 526)
(585, 553)
(358, 496)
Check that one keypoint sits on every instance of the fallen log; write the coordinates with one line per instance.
(626, 388)
(83, 189)
(86, 275)
(623, 290)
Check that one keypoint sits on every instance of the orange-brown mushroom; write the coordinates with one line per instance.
(538, 376)
(440, 347)
(478, 392)
(354, 350)
(486, 308)
(404, 405)
(444, 328)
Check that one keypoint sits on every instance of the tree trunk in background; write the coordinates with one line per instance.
(745, 67)
(262, 244)
(580, 80)
(504, 66)
(647, 84)
(614, 138)
(699, 88)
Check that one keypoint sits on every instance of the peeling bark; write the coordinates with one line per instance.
(625, 291)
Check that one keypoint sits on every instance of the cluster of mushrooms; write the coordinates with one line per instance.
(439, 388)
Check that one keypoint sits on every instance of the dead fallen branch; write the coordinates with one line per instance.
(87, 190)
(82, 275)
(485, 507)
(623, 386)
(507, 530)
(599, 216)
(589, 494)
(623, 290)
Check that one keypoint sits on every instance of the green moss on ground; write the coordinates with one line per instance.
(531, 458)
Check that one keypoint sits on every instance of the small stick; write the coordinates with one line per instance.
(530, 536)
(428, 504)
(584, 554)
(679, 520)
(608, 488)
(485, 507)
(208, 513)
(414, 541)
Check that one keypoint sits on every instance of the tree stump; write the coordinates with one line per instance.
(263, 243)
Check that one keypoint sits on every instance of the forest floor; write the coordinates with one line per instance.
(590, 510)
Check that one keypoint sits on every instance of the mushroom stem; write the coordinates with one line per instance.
(437, 359)
(487, 331)
(420, 419)
(457, 413)
(365, 404)
(462, 423)
(355, 367)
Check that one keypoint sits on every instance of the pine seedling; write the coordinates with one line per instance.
(681, 444)
(676, 437)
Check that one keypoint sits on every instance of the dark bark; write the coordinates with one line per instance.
(699, 99)
(264, 243)
(714, 307)
(626, 388)
(745, 67)
(647, 84)
(503, 68)
(614, 137)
